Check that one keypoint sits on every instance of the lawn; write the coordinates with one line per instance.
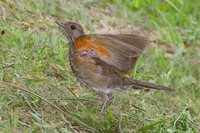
(38, 92)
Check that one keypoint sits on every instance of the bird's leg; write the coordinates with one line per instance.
(110, 97)
(107, 99)
(103, 108)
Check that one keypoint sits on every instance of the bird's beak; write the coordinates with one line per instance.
(61, 24)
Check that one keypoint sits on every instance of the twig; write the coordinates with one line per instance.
(77, 99)
(66, 121)
(68, 113)
(29, 105)
(30, 92)
(138, 108)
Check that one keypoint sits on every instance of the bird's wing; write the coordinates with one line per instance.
(119, 50)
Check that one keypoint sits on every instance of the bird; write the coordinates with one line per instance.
(98, 61)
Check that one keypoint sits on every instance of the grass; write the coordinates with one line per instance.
(38, 92)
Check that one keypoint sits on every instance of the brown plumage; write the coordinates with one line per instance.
(98, 60)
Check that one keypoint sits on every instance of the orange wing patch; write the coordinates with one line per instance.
(85, 43)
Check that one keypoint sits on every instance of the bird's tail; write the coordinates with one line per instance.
(137, 84)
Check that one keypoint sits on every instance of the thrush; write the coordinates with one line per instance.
(98, 60)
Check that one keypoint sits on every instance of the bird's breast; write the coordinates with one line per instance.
(89, 72)
(86, 43)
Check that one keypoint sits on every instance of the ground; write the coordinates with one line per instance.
(38, 92)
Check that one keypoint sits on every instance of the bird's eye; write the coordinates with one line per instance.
(73, 27)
